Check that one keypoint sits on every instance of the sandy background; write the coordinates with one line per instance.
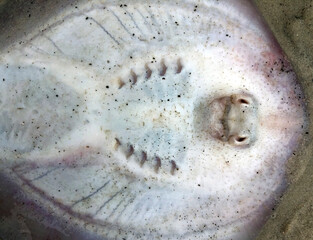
(292, 24)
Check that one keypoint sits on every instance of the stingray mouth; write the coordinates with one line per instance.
(233, 119)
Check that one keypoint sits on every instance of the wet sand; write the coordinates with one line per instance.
(292, 24)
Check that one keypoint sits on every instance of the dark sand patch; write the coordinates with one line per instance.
(292, 24)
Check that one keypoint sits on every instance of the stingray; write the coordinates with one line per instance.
(150, 120)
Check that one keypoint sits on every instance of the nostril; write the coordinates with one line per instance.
(240, 139)
(243, 101)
